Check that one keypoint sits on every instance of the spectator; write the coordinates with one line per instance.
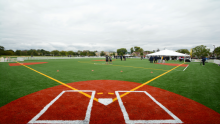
(203, 61)
(164, 58)
(106, 59)
(151, 59)
(155, 59)
(159, 58)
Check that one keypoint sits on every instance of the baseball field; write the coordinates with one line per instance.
(91, 91)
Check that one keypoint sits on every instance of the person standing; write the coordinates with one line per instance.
(159, 58)
(164, 58)
(203, 61)
(110, 59)
(121, 57)
(151, 59)
(155, 59)
(106, 59)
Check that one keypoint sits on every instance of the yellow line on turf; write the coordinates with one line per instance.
(111, 93)
(85, 94)
(99, 93)
(147, 82)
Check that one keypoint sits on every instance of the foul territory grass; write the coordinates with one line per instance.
(199, 83)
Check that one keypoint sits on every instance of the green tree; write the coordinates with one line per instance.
(136, 48)
(132, 50)
(24, 52)
(32, 52)
(35, 53)
(121, 50)
(41, 52)
(217, 51)
(183, 51)
(2, 50)
(18, 52)
(70, 53)
(140, 50)
(148, 52)
(200, 51)
(141, 53)
(47, 53)
(102, 53)
(92, 53)
(83, 53)
(9, 52)
(55, 52)
(63, 53)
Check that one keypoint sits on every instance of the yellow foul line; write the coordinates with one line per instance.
(147, 82)
(87, 95)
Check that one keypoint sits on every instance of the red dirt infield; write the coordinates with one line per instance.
(172, 64)
(150, 104)
(30, 63)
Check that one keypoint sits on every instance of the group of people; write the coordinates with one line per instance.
(108, 59)
(121, 57)
(157, 59)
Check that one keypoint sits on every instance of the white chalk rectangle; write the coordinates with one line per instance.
(129, 121)
(48, 106)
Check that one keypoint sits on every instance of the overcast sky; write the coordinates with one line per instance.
(109, 25)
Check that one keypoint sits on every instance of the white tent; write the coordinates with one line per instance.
(168, 53)
(127, 55)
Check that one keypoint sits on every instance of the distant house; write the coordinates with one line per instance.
(106, 53)
(138, 53)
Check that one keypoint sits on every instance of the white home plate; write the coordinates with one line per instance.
(105, 101)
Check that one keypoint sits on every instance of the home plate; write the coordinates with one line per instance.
(105, 101)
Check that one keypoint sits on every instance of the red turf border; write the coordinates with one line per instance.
(25, 108)
(29, 63)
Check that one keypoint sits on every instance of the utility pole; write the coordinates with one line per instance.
(214, 50)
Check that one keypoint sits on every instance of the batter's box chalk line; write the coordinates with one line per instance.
(127, 119)
(104, 101)
(85, 121)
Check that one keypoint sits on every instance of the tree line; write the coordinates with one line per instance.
(197, 51)
(42, 52)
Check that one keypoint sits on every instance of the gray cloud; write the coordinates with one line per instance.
(109, 25)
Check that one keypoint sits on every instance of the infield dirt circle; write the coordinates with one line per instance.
(147, 104)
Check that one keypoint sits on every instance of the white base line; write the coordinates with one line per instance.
(127, 119)
(185, 68)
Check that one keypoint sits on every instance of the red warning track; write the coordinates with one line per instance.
(30, 63)
(139, 106)
(172, 64)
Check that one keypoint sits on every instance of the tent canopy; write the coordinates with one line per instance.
(127, 55)
(167, 53)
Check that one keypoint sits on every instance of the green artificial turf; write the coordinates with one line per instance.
(199, 83)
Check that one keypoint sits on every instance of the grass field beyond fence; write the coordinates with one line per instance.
(199, 83)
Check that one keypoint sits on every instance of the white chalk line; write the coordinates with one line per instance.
(85, 121)
(89, 109)
(127, 119)
(185, 68)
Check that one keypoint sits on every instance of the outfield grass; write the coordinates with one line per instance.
(199, 83)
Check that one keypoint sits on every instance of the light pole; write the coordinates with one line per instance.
(214, 50)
